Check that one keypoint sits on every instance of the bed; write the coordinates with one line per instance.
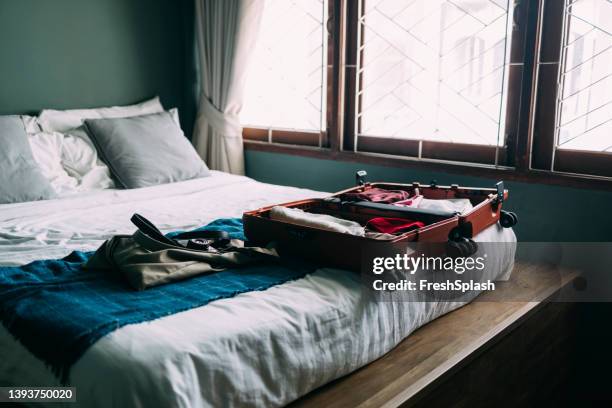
(263, 348)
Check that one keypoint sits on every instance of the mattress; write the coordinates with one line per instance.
(263, 348)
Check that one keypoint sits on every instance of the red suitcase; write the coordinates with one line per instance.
(346, 251)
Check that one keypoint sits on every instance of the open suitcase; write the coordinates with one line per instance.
(340, 250)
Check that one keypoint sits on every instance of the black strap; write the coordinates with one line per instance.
(148, 228)
(220, 238)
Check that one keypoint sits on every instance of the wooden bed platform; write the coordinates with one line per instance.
(487, 353)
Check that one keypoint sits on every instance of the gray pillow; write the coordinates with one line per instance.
(20, 177)
(145, 150)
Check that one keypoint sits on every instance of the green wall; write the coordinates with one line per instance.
(546, 213)
(87, 53)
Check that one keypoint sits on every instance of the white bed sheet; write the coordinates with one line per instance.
(261, 348)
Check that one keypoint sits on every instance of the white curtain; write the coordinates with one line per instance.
(226, 31)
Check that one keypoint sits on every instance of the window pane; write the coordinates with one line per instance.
(286, 79)
(434, 70)
(584, 121)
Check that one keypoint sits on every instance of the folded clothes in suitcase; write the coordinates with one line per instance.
(390, 216)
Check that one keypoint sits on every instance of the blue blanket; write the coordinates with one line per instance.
(57, 310)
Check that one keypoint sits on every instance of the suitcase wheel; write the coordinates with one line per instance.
(461, 248)
(473, 246)
(515, 217)
(455, 234)
(508, 219)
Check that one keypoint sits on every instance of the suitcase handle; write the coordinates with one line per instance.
(360, 177)
(499, 188)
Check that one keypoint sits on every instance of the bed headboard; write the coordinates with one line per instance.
(85, 53)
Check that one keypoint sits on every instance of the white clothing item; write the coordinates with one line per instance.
(30, 123)
(226, 34)
(460, 205)
(81, 161)
(47, 150)
(321, 221)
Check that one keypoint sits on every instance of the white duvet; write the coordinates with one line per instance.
(261, 348)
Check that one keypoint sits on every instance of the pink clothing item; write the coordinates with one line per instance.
(378, 195)
(411, 202)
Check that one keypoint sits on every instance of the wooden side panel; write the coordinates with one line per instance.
(531, 366)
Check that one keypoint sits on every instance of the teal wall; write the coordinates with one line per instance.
(89, 53)
(546, 213)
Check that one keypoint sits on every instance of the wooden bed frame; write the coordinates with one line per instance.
(487, 353)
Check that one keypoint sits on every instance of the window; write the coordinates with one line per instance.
(285, 97)
(514, 85)
(573, 121)
(431, 78)
(585, 75)
(433, 70)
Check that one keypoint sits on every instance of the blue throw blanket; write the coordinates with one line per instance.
(57, 310)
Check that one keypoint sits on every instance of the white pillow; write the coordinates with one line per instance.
(61, 121)
(47, 148)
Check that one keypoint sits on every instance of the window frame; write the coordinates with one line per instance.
(538, 25)
(546, 155)
(300, 137)
(426, 149)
